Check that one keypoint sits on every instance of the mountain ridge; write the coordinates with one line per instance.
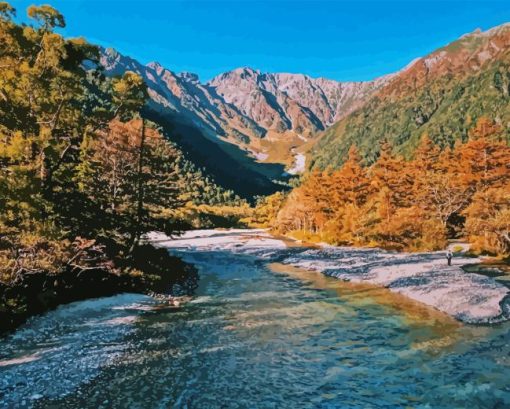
(266, 115)
(440, 94)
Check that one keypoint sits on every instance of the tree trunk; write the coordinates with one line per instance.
(139, 193)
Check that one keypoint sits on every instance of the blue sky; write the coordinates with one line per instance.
(342, 40)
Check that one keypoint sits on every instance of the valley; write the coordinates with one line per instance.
(259, 120)
(255, 119)
(256, 238)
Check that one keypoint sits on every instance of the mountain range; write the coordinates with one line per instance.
(244, 105)
(251, 129)
(255, 122)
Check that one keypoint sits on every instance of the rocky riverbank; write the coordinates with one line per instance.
(151, 272)
(424, 277)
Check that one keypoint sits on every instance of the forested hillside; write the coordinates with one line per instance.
(424, 160)
(407, 205)
(442, 94)
(84, 174)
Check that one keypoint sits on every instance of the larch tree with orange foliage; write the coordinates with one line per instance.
(350, 188)
(414, 205)
(486, 160)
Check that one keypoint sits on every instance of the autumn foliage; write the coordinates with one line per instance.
(412, 205)
(79, 159)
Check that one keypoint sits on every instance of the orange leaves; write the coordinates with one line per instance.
(485, 128)
(414, 204)
(488, 220)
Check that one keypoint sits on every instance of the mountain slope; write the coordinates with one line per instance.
(291, 102)
(192, 117)
(251, 116)
(441, 94)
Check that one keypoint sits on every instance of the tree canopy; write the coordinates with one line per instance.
(78, 158)
(414, 205)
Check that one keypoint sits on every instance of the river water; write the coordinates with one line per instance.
(257, 334)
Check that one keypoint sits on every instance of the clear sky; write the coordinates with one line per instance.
(342, 40)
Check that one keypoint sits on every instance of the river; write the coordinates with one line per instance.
(257, 334)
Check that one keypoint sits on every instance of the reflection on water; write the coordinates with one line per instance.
(255, 336)
(363, 293)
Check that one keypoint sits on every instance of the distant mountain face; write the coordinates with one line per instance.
(267, 116)
(291, 102)
(441, 94)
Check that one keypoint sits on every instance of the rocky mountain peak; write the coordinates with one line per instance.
(156, 66)
(245, 72)
(190, 77)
